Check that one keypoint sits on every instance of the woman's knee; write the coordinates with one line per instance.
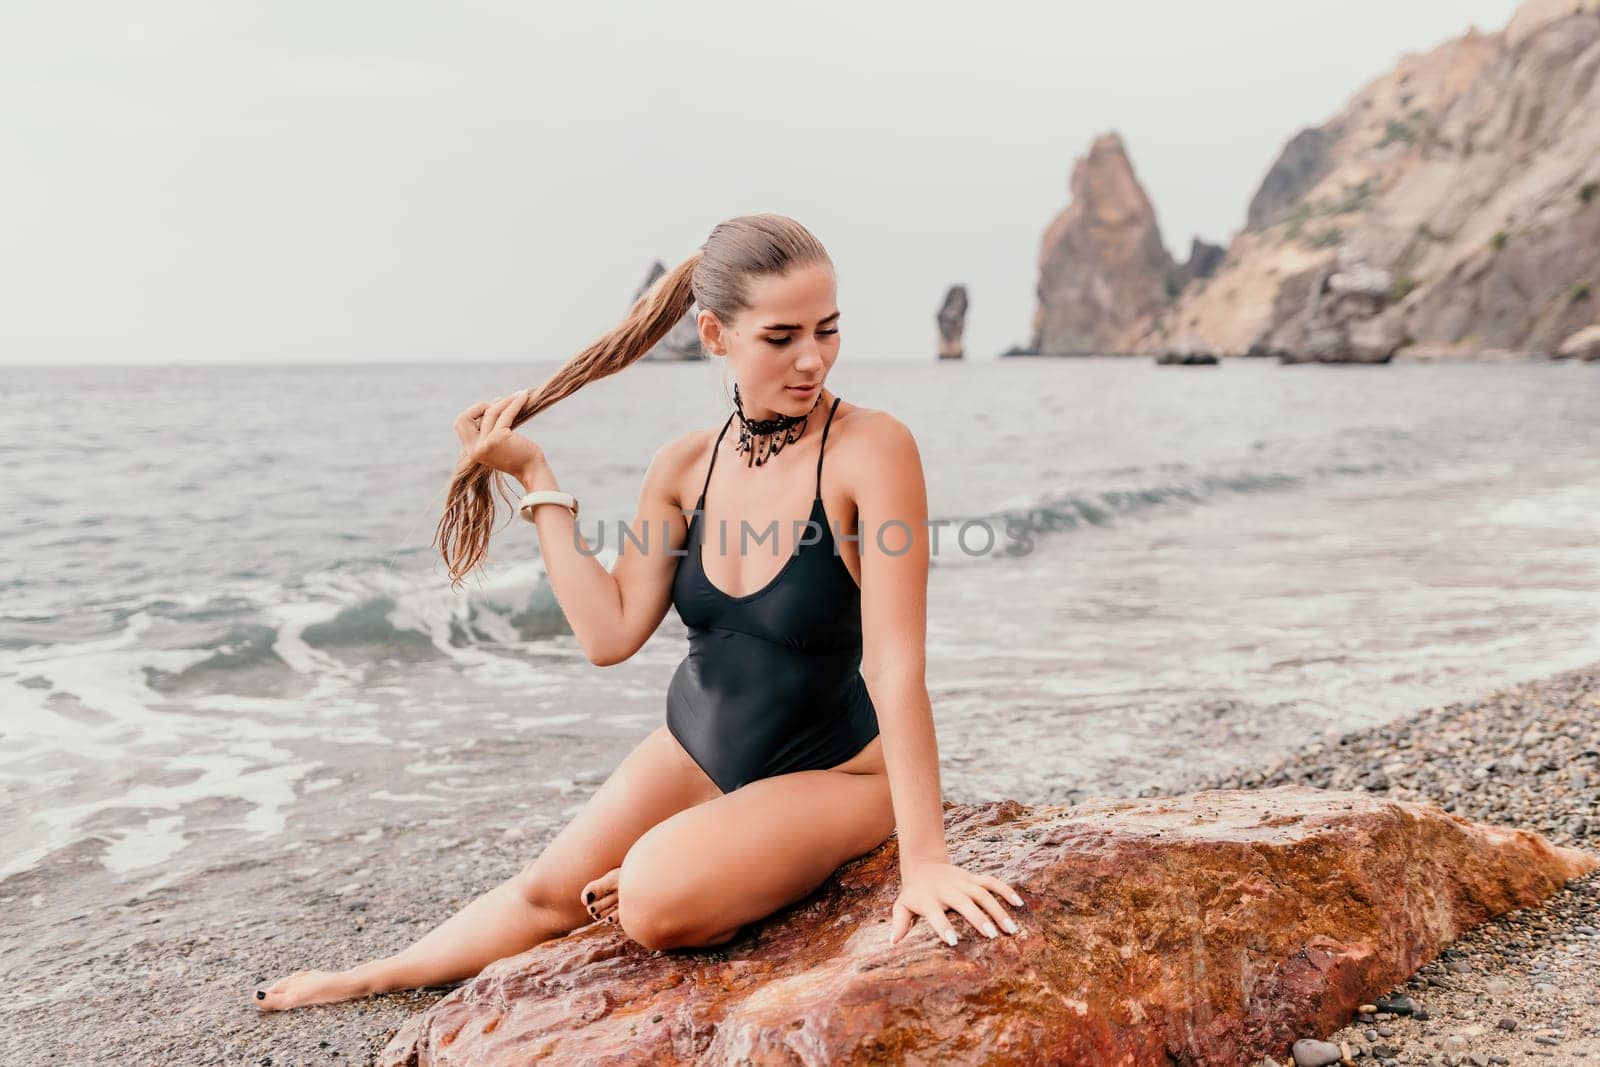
(540, 888)
(655, 907)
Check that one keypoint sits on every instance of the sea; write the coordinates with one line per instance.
(224, 627)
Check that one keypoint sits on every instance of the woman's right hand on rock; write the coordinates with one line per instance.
(487, 437)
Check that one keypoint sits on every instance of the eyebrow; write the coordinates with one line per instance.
(796, 325)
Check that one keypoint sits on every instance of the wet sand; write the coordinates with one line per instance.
(166, 975)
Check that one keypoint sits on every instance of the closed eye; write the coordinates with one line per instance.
(781, 341)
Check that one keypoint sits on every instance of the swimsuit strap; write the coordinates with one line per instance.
(713, 463)
(824, 444)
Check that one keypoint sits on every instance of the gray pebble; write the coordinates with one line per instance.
(1308, 1052)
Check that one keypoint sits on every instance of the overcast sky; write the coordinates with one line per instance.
(238, 180)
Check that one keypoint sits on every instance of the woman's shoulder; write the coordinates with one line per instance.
(690, 444)
(874, 446)
(685, 454)
(869, 427)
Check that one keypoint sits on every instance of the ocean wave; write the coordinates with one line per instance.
(1135, 492)
(355, 611)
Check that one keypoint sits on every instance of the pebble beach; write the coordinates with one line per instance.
(170, 973)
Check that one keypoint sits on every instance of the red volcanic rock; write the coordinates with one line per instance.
(1208, 929)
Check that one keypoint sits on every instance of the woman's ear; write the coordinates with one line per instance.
(711, 338)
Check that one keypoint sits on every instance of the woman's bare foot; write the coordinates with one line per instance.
(600, 896)
(310, 987)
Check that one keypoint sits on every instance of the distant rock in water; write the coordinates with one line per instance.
(1260, 350)
(1211, 929)
(683, 340)
(1188, 352)
(952, 321)
(1103, 272)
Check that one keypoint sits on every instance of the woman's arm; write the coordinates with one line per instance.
(612, 613)
(892, 510)
(892, 505)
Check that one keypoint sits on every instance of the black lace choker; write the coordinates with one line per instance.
(762, 439)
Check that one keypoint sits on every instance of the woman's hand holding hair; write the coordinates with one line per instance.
(487, 437)
(929, 888)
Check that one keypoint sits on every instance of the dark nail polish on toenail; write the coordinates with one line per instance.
(589, 897)
(261, 994)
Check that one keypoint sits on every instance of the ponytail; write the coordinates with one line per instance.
(464, 528)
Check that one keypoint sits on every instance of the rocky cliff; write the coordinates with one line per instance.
(1450, 208)
(1458, 195)
(1103, 271)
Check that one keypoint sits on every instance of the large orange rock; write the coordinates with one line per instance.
(1212, 928)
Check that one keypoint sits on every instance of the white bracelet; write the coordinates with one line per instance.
(546, 496)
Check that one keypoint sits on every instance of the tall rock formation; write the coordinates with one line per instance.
(1469, 174)
(1103, 272)
(952, 319)
(683, 340)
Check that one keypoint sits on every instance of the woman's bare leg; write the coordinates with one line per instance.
(544, 900)
(699, 875)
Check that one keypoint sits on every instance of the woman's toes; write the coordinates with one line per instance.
(601, 906)
(600, 895)
(307, 987)
(606, 883)
(271, 997)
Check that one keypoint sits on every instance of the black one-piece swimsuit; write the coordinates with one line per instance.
(772, 683)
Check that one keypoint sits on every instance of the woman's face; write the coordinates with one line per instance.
(788, 337)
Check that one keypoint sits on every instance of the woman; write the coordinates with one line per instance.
(770, 770)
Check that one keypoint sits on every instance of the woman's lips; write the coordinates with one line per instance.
(803, 388)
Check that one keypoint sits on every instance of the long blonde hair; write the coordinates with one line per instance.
(716, 276)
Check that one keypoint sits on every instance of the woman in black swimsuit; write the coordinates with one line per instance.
(770, 770)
